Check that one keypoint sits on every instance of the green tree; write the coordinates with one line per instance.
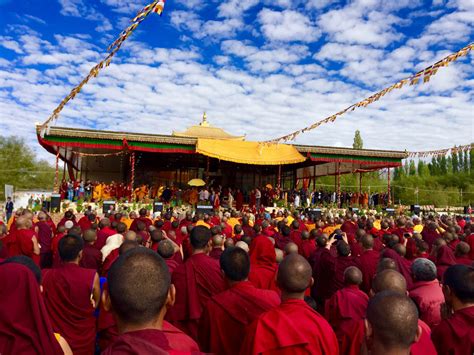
(443, 169)
(412, 168)
(423, 169)
(455, 162)
(465, 163)
(20, 168)
(460, 161)
(358, 142)
(471, 160)
(449, 164)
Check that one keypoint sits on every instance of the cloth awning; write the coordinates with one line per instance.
(245, 152)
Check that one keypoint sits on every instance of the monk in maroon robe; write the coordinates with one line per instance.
(462, 254)
(142, 218)
(196, 281)
(403, 265)
(341, 263)
(455, 333)
(223, 323)
(71, 294)
(104, 232)
(91, 256)
(25, 327)
(368, 262)
(348, 304)
(293, 327)
(387, 282)
(263, 267)
(45, 235)
(323, 270)
(444, 258)
(139, 292)
(24, 240)
(166, 250)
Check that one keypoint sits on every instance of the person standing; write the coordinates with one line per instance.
(258, 198)
(9, 209)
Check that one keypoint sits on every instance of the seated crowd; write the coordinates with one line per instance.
(236, 283)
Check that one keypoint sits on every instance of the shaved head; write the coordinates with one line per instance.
(279, 255)
(165, 249)
(90, 235)
(294, 274)
(130, 235)
(138, 283)
(352, 276)
(217, 240)
(291, 248)
(127, 245)
(389, 280)
(367, 241)
(386, 264)
(228, 243)
(393, 318)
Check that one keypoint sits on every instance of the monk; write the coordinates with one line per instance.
(71, 295)
(462, 254)
(196, 281)
(348, 304)
(354, 340)
(104, 232)
(142, 218)
(263, 263)
(45, 235)
(455, 333)
(24, 240)
(293, 327)
(391, 326)
(343, 260)
(444, 258)
(139, 294)
(25, 327)
(223, 323)
(368, 261)
(91, 256)
(308, 245)
(166, 250)
(323, 265)
(217, 245)
(426, 291)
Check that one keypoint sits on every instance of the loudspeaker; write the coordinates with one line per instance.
(157, 207)
(46, 205)
(354, 209)
(415, 209)
(467, 210)
(390, 211)
(108, 206)
(55, 202)
(314, 213)
(204, 209)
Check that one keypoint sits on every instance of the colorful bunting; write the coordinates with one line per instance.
(424, 74)
(439, 152)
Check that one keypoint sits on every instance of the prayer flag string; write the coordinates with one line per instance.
(440, 152)
(426, 74)
(156, 7)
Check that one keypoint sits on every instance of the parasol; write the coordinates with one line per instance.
(196, 182)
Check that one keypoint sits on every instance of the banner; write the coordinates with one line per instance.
(8, 191)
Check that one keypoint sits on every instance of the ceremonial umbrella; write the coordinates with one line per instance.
(196, 182)
(269, 186)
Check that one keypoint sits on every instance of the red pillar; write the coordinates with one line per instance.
(389, 200)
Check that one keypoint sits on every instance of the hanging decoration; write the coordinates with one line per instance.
(156, 7)
(426, 74)
(440, 152)
(56, 173)
(80, 154)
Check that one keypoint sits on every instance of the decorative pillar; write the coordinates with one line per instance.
(389, 192)
(314, 177)
(207, 166)
(360, 189)
(279, 178)
(338, 193)
(132, 173)
(64, 167)
(56, 173)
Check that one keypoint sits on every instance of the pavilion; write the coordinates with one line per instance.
(207, 152)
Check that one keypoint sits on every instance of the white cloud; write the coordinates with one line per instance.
(287, 26)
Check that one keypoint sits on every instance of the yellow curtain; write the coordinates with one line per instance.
(244, 152)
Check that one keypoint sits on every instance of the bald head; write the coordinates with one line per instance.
(228, 243)
(392, 322)
(128, 245)
(90, 235)
(294, 274)
(217, 241)
(367, 241)
(165, 249)
(400, 249)
(386, 264)
(462, 249)
(291, 248)
(389, 280)
(352, 276)
(279, 255)
(130, 235)
(423, 270)
(138, 283)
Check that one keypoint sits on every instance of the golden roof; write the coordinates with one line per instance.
(205, 130)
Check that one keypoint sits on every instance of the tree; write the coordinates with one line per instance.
(20, 168)
(412, 168)
(455, 162)
(471, 160)
(465, 164)
(358, 142)
(423, 168)
(460, 161)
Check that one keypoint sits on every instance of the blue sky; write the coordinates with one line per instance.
(260, 68)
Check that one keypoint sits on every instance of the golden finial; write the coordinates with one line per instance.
(204, 122)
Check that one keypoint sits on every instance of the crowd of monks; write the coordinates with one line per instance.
(236, 283)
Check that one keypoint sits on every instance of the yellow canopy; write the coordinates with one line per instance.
(244, 152)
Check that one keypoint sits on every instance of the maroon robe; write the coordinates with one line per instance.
(347, 305)
(455, 335)
(263, 266)
(109, 260)
(404, 265)
(291, 328)
(25, 327)
(145, 220)
(444, 259)
(23, 244)
(463, 260)
(308, 247)
(429, 236)
(227, 314)
(216, 253)
(323, 274)
(85, 223)
(340, 265)
(368, 265)
(102, 236)
(350, 228)
(140, 342)
(91, 258)
(172, 265)
(196, 281)
(67, 294)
